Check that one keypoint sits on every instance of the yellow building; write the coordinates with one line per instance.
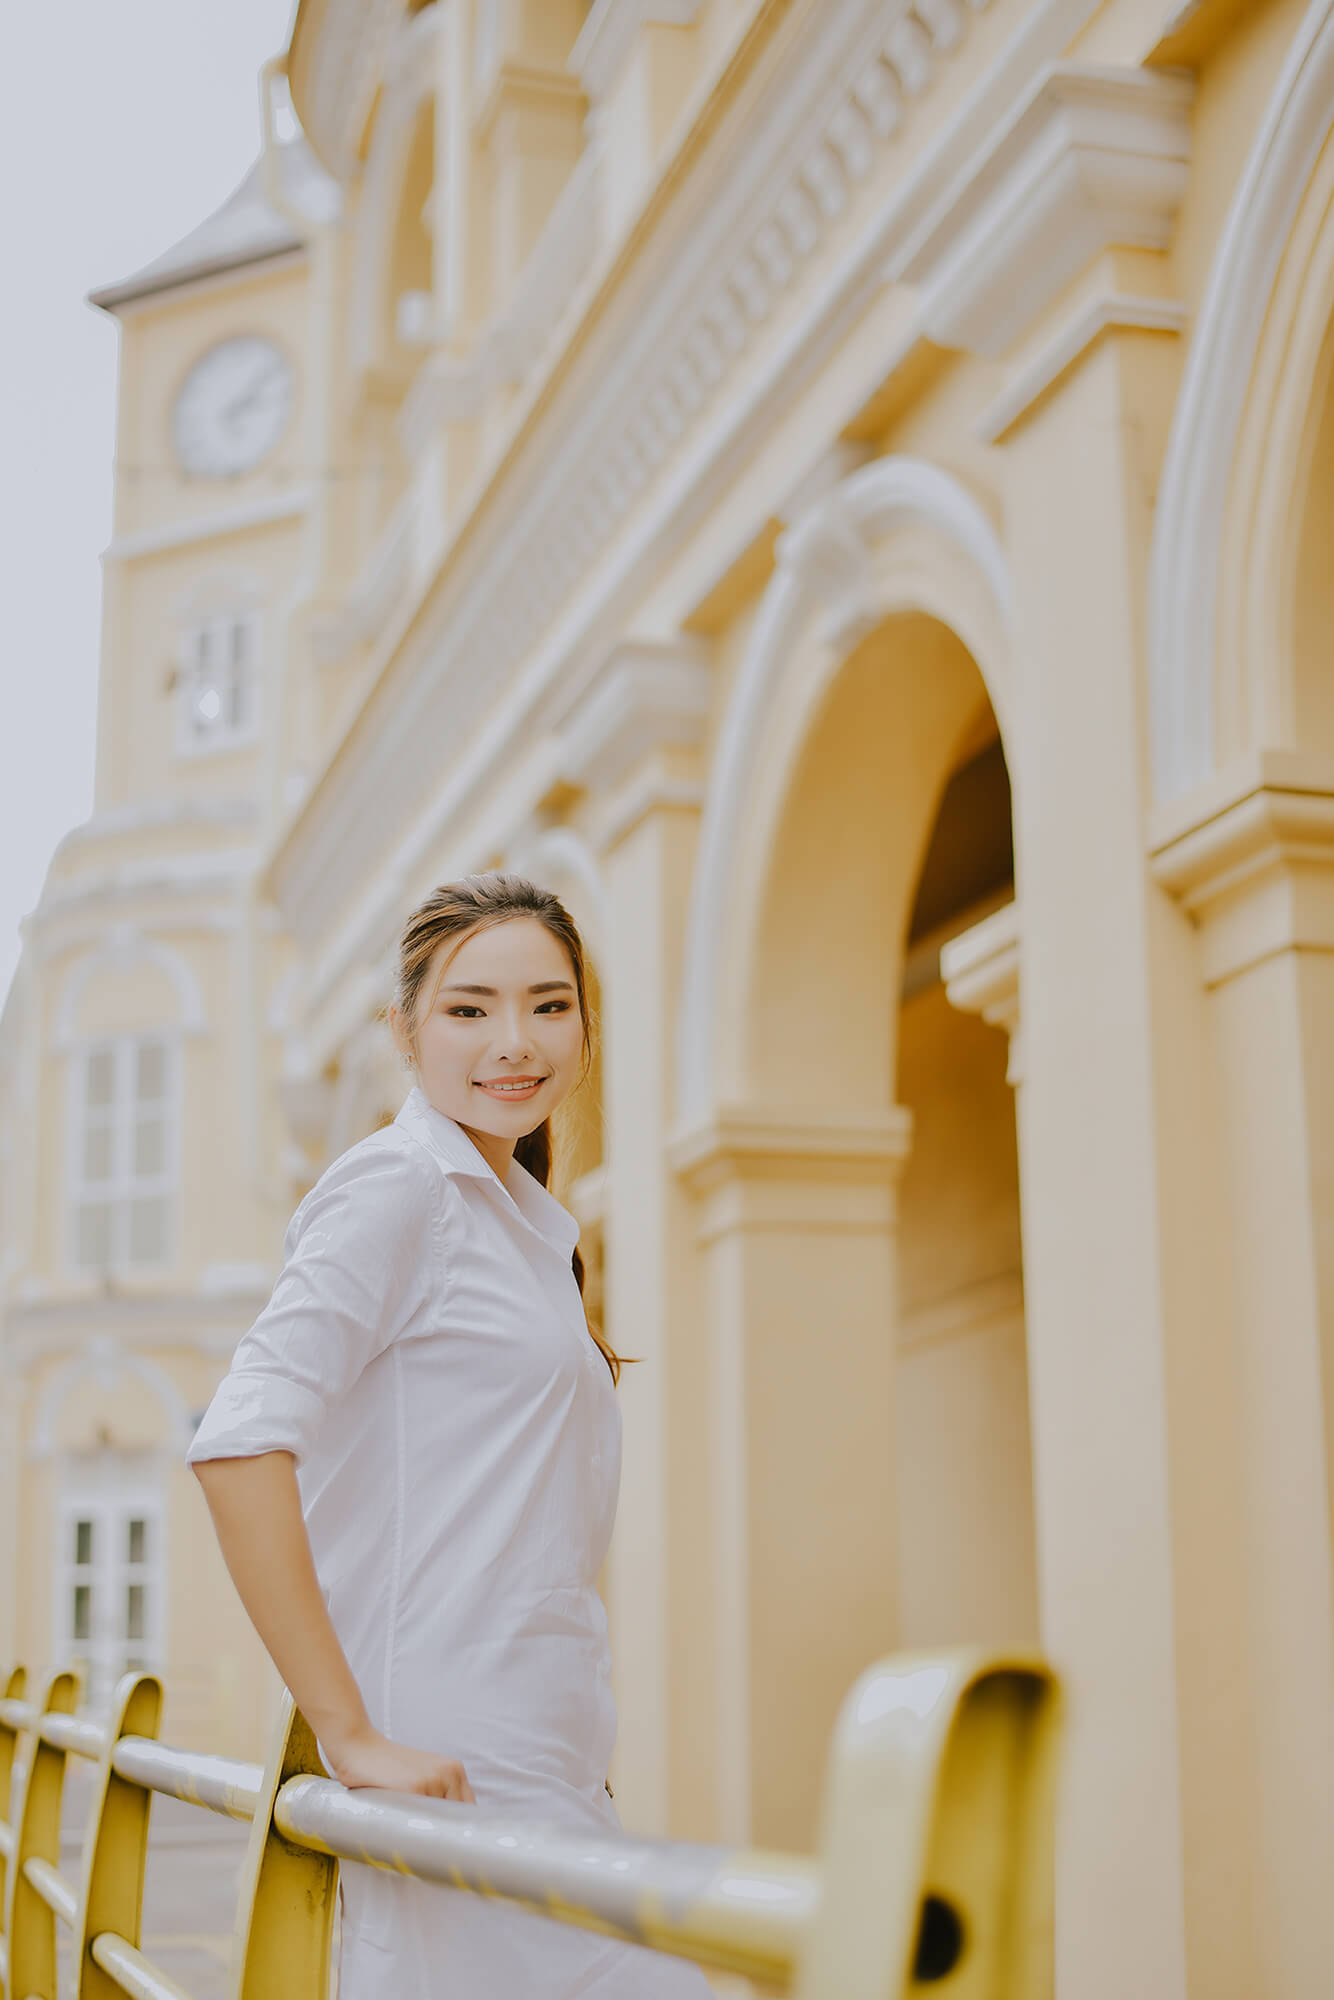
(842, 491)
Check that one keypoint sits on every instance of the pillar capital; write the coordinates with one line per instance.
(980, 969)
(1250, 857)
(766, 1167)
(630, 735)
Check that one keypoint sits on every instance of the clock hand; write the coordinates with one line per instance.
(240, 404)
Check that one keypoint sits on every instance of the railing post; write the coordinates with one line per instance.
(9, 1737)
(285, 1913)
(115, 1852)
(937, 1834)
(31, 1926)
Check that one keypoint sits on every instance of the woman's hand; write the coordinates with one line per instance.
(368, 1758)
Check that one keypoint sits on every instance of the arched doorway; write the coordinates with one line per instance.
(967, 1570)
(867, 1275)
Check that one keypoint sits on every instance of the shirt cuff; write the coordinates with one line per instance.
(254, 1413)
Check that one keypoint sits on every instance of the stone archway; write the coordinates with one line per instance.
(856, 703)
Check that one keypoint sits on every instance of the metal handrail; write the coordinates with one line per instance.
(935, 1853)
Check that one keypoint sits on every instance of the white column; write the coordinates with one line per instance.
(1251, 860)
(796, 1223)
(630, 742)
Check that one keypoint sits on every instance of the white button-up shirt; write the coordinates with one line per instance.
(426, 1358)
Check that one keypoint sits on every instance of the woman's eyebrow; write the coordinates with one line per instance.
(490, 992)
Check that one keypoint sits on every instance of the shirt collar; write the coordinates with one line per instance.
(457, 1154)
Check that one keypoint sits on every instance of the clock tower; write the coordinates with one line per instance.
(139, 1047)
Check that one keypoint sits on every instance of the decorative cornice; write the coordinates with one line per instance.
(608, 36)
(210, 872)
(1092, 157)
(647, 695)
(980, 969)
(1113, 312)
(761, 1142)
(615, 425)
(235, 520)
(155, 815)
(760, 1168)
(1250, 858)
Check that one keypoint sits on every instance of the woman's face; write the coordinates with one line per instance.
(502, 1041)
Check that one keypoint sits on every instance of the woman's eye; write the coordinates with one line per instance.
(466, 1013)
(554, 1007)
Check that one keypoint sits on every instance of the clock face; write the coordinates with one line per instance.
(232, 407)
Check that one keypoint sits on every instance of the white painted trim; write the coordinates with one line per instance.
(140, 815)
(561, 852)
(646, 695)
(104, 1357)
(607, 37)
(1099, 316)
(123, 946)
(1090, 157)
(209, 527)
(1185, 556)
(823, 564)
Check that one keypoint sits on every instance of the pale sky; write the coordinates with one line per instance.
(123, 126)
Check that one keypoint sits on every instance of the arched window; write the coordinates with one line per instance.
(124, 1153)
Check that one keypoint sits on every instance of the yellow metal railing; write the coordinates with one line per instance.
(935, 1861)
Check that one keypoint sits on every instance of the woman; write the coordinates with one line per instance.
(426, 1587)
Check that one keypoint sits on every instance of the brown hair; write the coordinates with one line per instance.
(452, 913)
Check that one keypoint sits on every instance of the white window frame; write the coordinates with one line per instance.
(194, 636)
(123, 1186)
(110, 1489)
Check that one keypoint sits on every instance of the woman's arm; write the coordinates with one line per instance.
(256, 1507)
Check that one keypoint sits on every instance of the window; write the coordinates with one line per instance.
(124, 1154)
(109, 1569)
(218, 682)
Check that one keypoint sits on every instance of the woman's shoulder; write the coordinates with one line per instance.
(387, 1178)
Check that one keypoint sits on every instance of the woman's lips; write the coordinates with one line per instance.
(511, 1090)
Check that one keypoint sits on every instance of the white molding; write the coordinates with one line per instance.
(182, 534)
(1249, 856)
(123, 947)
(561, 852)
(648, 694)
(207, 874)
(1111, 312)
(1185, 556)
(608, 37)
(105, 1361)
(824, 568)
(980, 970)
(1092, 157)
(153, 815)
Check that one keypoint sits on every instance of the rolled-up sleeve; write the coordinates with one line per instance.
(361, 1259)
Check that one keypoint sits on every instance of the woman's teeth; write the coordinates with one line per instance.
(513, 1089)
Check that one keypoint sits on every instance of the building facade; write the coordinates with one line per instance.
(841, 490)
